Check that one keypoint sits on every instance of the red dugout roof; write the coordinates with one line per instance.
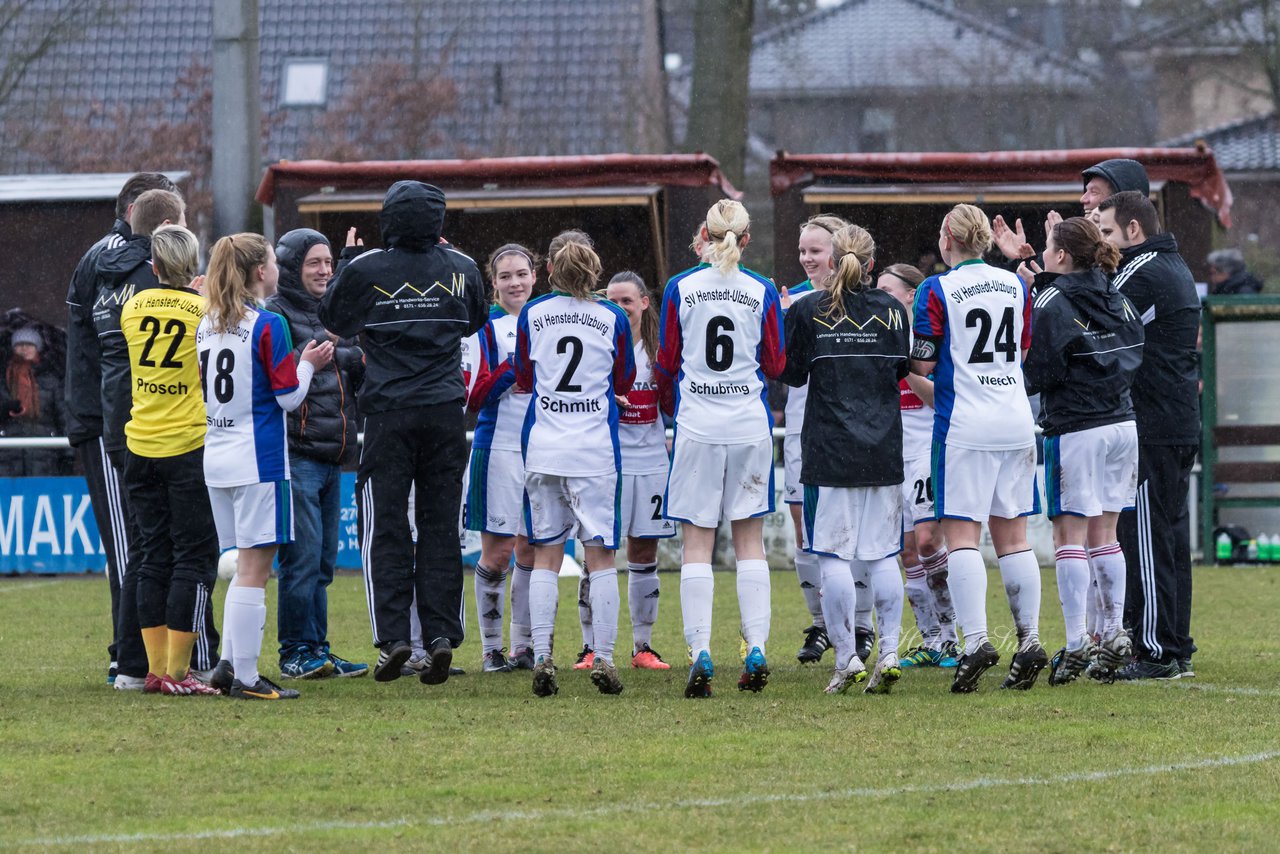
(680, 170)
(1195, 167)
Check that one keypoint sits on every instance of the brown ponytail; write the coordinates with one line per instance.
(1084, 245)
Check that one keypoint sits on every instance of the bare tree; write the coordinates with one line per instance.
(718, 103)
(30, 30)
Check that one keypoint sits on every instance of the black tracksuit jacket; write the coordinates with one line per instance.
(412, 303)
(122, 272)
(1086, 346)
(83, 390)
(1166, 392)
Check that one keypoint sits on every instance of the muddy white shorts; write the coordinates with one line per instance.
(493, 497)
(976, 485)
(1091, 472)
(559, 508)
(642, 505)
(863, 522)
(917, 492)
(713, 483)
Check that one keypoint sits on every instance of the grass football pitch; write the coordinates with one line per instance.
(480, 763)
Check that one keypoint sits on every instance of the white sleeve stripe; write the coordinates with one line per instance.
(1112, 350)
(1044, 298)
(1128, 271)
(1148, 315)
(418, 320)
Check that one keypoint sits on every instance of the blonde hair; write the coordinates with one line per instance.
(228, 283)
(576, 270)
(727, 223)
(697, 246)
(969, 229)
(563, 239)
(829, 223)
(852, 251)
(175, 252)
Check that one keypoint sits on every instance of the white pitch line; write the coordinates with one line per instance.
(24, 585)
(489, 816)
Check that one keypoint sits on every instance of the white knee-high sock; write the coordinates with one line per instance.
(1020, 572)
(228, 645)
(243, 621)
(839, 601)
(921, 600)
(754, 605)
(520, 636)
(1109, 571)
(1074, 591)
(866, 601)
(604, 612)
(935, 570)
(697, 590)
(886, 591)
(584, 607)
(967, 581)
(642, 597)
(544, 596)
(491, 595)
(1093, 607)
(810, 575)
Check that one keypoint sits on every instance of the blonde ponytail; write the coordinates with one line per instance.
(228, 282)
(575, 270)
(852, 251)
(727, 224)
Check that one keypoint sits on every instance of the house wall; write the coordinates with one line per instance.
(1197, 92)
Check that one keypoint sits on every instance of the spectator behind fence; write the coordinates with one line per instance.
(1228, 276)
(322, 439)
(35, 387)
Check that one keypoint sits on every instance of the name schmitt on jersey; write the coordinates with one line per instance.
(979, 317)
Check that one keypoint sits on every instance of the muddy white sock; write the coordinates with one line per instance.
(544, 595)
(642, 597)
(697, 590)
(604, 612)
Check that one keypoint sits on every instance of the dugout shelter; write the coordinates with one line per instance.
(901, 198)
(641, 210)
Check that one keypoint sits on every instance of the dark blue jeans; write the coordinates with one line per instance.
(306, 565)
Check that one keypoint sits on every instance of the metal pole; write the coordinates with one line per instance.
(237, 120)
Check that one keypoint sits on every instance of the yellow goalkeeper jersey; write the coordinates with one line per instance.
(168, 415)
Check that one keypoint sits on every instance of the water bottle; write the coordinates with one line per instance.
(1223, 546)
(1251, 552)
(1265, 548)
(1275, 548)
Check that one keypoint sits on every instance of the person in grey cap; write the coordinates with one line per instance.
(322, 439)
(35, 386)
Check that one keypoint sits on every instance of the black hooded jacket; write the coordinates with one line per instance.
(1166, 391)
(412, 304)
(1086, 346)
(122, 272)
(1241, 282)
(83, 390)
(324, 426)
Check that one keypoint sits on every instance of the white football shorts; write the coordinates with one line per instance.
(257, 514)
(711, 483)
(559, 508)
(1091, 472)
(863, 522)
(976, 485)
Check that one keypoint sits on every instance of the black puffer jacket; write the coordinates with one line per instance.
(84, 363)
(324, 426)
(122, 272)
(1086, 346)
(412, 303)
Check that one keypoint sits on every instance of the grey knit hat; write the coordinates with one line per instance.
(28, 335)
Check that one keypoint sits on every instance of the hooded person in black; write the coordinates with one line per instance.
(1156, 535)
(1086, 347)
(322, 439)
(412, 303)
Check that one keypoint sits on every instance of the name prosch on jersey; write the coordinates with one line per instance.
(551, 404)
(161, 388)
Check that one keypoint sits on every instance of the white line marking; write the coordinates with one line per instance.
(489, 816)
(24, 585)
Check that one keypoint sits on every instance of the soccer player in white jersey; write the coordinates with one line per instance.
(250, 380)
(644, 469)
(815, 258)
(494, 495)
(972, 329)
(851, 343)
(924, 553)
(1085, 350)
(721, 337)
(574, 354)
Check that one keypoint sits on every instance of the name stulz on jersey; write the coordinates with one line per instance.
(722, 295)
(540, 323)
(988, 287)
